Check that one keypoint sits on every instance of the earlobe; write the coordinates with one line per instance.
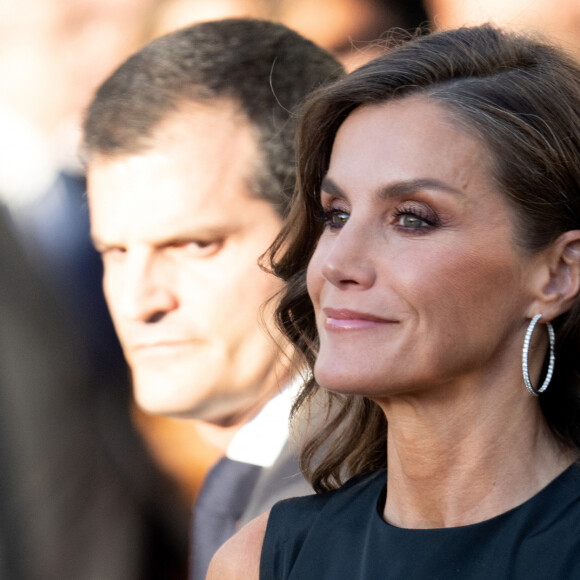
(557, 294)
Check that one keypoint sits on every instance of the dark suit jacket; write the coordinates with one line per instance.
(232, 488)
(280, 481)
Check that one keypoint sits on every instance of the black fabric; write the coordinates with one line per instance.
(220, 504)
(341, 535)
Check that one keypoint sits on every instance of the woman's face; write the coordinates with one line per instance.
(416, 280)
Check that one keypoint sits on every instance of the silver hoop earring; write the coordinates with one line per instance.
(525, 353)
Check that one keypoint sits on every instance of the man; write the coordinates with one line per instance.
(190, 173)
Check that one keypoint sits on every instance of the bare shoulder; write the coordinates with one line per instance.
(239, 557)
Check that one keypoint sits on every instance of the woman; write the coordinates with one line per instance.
(432, 252)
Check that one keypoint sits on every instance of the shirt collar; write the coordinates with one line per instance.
(260, 441)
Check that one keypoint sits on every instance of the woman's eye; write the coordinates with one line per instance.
(411, 221)
(338, 218)
(334, 218)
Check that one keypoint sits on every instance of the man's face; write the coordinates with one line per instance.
(180, 235)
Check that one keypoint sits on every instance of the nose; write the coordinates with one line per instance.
(142, 287)
(347, 261)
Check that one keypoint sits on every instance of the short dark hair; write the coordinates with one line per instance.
(520, 97)
(265, 68)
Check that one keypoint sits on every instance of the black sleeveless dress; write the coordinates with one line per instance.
(341, 536)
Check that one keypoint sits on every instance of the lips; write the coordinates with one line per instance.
(159, 347)
(345, 319)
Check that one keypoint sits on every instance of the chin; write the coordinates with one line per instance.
(347, 381)
(153, 406)
(336, 382)
(162, 397)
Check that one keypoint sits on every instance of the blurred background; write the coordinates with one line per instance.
(72, 438)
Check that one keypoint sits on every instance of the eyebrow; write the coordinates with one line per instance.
(177, 238)
(394, 190)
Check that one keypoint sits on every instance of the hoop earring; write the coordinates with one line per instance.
(525, 353)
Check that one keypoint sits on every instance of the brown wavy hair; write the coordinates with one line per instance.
(520, 97)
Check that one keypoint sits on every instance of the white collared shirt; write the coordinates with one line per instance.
(260, 441)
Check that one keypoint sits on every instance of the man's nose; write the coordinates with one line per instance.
(148, 291)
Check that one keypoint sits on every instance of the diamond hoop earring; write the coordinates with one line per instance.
(525, 353)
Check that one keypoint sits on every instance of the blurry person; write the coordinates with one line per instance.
(189, 146)
(62, 51)
(80, 498)
(348, 29)
(351, 27)
(557, 19)
(169, 15)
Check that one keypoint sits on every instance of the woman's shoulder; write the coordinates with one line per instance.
(239, 557)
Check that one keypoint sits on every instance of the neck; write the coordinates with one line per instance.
(216, 435)
(219, 427)
(459, 460)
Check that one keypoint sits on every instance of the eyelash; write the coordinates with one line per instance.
(424, 213)
(419, 211)
(325, 216)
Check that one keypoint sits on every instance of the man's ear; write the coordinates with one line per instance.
(559, 283)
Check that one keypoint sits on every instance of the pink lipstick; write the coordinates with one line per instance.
(344, 319)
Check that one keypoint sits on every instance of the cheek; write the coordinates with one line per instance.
(112, 287)
(468, 288)
(254, 286)
(234, 291)
(314, 277)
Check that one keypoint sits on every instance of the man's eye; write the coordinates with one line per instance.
(113, 253)
(200, 248)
